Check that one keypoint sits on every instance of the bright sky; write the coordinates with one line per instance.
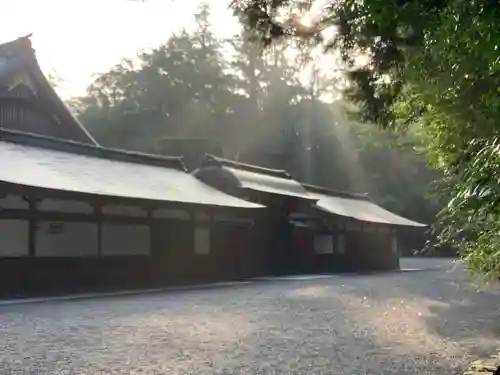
(77, 38)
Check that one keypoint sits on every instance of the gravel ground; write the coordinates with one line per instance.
(426, 322)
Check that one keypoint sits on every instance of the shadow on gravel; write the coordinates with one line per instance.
(296, 327)
(458, 309)
(266, 328)
(315, 335)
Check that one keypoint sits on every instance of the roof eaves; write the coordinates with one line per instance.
(406, 223)
(45, 142)
(335, 193)
(215, 160)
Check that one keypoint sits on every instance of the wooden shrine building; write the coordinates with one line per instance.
(80, 217)
(309, 229)
(271, 237)
(346, 232)
(76, 216)
(28, 102)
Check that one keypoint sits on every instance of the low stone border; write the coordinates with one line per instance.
(485, 366)
(119, 293)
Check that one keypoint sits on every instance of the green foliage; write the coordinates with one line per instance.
(434, 66)
(470, 221)
(452, 83)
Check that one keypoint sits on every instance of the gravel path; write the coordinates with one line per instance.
(425, 322)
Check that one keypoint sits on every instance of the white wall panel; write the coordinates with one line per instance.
(13, 202)
(125, 239)
(66, 206)
(66, 239)
(202, 240)
(14, 236)
(323, 244)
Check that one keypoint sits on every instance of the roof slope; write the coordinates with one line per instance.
(252, 177)
(18, 61)
(354, 206)
(35, 161)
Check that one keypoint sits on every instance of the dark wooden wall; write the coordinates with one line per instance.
(364, 251)
(238, 250)
(23, 114)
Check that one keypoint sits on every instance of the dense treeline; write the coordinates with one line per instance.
(197, 93)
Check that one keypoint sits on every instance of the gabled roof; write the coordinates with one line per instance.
(355, 206)
(18, 56)
(251, 177)
(33, 161)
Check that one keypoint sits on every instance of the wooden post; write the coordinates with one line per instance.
(32, 224)
(98, 216)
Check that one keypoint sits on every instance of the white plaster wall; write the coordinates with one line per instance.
(163, 213)
(353, 226)
(232, 219)
(202, 240)
(394, 245)
(369, 228)
(125, 239)
(383, 229)
(66, 239)
(67, 206)
(13, 202)
(14, 238)
(323, 244)
(202, 216)
(341, 243)
(120, 210)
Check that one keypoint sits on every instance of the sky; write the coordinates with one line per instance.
(75, 39)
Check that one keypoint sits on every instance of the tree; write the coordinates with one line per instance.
(183, 81)
(431, 64)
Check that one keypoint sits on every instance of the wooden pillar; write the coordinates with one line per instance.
(98, 216)
(32, 224)
(149, 213)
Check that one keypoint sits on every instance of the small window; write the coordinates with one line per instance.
(202, 240)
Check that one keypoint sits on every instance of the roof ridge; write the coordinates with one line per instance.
(73, 147)
(336, 193)
(212, 159)
(21, 48)
(23, 42)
